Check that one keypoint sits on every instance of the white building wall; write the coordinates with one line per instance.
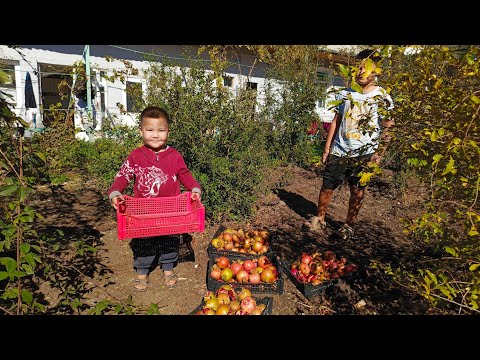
(67, 55)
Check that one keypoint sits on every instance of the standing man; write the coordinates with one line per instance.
(353, 141)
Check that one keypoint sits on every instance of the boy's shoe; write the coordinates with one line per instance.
(315, 224)
(170, 280)
(345, 232)
(140, 284)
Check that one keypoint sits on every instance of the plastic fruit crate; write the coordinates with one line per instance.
(146, 217)
(308, 290)
(262, 288)
(266, 300)
(212, 251)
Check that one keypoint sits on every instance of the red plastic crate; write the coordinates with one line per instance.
(145, 217)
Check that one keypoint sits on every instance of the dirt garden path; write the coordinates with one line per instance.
(80, 210)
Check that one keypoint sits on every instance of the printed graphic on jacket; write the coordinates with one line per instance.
(150, 179)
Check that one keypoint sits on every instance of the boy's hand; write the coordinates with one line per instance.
(195, 196)
(117, 200)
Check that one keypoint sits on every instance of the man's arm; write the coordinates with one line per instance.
(330, 136)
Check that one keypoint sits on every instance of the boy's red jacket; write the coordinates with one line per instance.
(156, 174)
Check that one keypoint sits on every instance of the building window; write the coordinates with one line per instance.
(227, 81)
(9, 75)
(251, 85)
(134, 96)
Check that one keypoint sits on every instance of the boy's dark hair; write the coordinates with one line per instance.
(369, 53)
(154, 112)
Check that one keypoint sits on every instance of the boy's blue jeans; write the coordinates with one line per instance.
(152, 251)
(144, 264)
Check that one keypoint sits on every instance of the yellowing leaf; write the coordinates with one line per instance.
(475, 99)
(365, 178)
(434, 136)
(473, 232)
(473, 267)
(451, 251)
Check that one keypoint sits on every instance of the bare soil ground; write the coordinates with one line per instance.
(80, 210)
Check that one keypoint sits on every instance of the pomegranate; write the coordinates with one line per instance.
(234, 305)
(316, 268)
(223, 299)
(304, 268)
(257, 270)
(257, 311)
(236, 267)
(249, 265)
(255, 278)
(257, 246)
(248, 304)
(263, 261)
(264, 234)
(329, 255)
(227, 236)
(222, 310)
(215, 274)
(241, 312)
(306, 259)
(217, 243)
(212, 303)
(223, 262)
(242, 276)
(268, 276)
(264, 248)
(228, 245)
(243, 294)
(226, 274)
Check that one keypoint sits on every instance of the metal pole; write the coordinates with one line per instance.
(89, 90)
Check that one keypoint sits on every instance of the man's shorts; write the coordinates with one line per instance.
(339, 169)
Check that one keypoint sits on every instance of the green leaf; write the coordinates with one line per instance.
(434, 136)
(23, 193)
(23, 122)
(449, 167)
(9, 263)
(7, 190)
(356, 87)
(25, 248)
(3, 165)
(475, 99)
(41, 156)
(473, 267)
(3, 275)
(28, 269)
(451, 251)
(436, 159)
(27, 296)
(345, 70)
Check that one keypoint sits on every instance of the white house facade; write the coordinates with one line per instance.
(45, 65)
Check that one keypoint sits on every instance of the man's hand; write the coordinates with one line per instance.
(376, 158)
(325, 157)
(117, 200)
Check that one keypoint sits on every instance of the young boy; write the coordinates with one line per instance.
(356, 131)
(158, 170)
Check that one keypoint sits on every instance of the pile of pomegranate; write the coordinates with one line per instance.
(253, 271)
(227, 302)
(242, 241)
(320, 267)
